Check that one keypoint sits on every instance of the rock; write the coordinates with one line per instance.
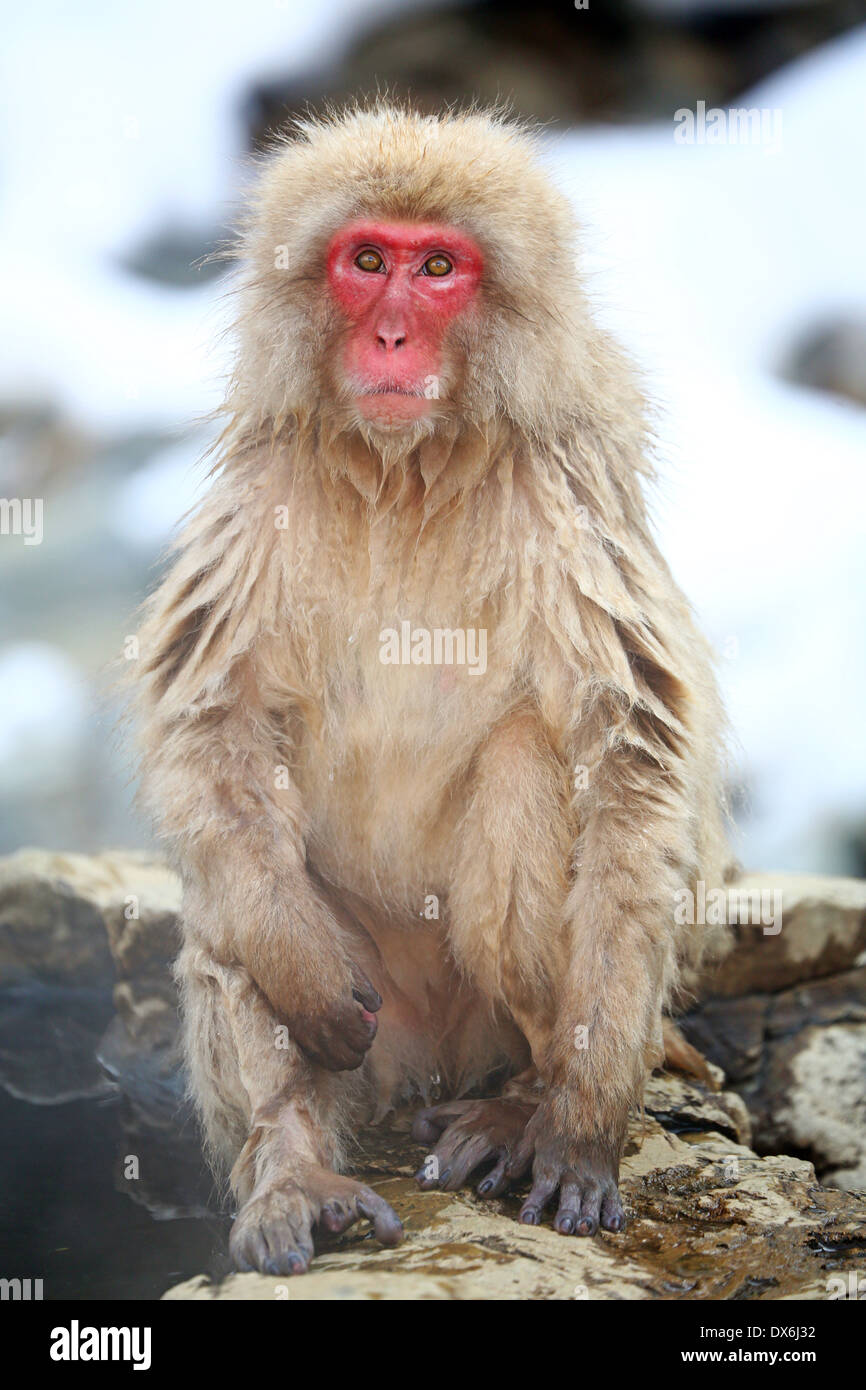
(551, 61)
(48, 1040)
(730, 1032)
(798, 1058)
(85, 950)
(681, 1105)
(823, 930)
(63, 915)
(70, 924)
(832, 358)
(812, 1099)
(709, 1219)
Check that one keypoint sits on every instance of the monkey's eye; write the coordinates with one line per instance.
(437, 265)
(370, 261)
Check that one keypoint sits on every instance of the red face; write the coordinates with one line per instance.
(400, 286)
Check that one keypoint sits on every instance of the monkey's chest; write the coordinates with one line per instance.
(403, 706)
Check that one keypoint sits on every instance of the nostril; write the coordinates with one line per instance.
(390, 342)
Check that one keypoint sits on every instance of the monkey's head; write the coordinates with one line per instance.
(407, 273)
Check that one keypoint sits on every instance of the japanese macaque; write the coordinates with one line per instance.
(409, 870)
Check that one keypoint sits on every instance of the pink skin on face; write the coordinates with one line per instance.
(398, 313)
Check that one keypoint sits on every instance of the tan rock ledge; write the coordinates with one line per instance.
(709, 1219)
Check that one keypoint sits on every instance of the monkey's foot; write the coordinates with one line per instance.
(465, 1134)
(274, 1229)
(583, 1172)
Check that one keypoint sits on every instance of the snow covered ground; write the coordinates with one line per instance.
(708, 261)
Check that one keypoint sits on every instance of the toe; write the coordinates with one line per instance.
(590, 1211)
(612, 1214)
(543, 1187)
(496, 1181)
(387, 1226)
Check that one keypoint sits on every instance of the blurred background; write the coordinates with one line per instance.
(734, 272)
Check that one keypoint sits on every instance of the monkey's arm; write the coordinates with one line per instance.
(643, 752)
(248, 891)
(608, 1024)
(214, 773)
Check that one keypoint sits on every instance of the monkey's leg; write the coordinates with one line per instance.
(257, 1092)
(506, 929)
(581, 969)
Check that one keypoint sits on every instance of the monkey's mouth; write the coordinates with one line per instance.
(392, 388)
(392, 403)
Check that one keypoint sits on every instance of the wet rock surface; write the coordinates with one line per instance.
(709, 1219)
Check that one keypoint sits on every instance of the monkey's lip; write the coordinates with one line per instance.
(393, 389)
(392, 402)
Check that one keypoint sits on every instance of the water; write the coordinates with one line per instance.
(63, 1219)
(103, 1191)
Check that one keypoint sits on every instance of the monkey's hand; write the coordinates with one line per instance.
(584, 1172)
(335, 1027)
(307, 960)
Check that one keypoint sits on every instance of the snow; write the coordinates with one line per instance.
(42, 715)
(120, 119)
(708, 261)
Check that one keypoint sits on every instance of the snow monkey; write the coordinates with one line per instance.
(427, 724)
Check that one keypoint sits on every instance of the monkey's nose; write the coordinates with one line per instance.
(391, 341)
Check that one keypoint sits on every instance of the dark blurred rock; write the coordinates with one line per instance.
(798, 1058)
(177, 258)
(810, 1099)
(48, 1040)
(833, 359)
(555, 62)
(40, 446)
(51, 924)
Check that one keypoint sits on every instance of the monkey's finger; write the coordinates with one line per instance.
(336, 1217)
(612, 1214)
(367, 996)
(458, 1162)
(387, 1226)
(289, 1240)
(543, 1187)
(340, 1040)
(579, 1208)
(429, 1123)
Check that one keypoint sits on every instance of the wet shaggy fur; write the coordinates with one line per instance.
(498, 854)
